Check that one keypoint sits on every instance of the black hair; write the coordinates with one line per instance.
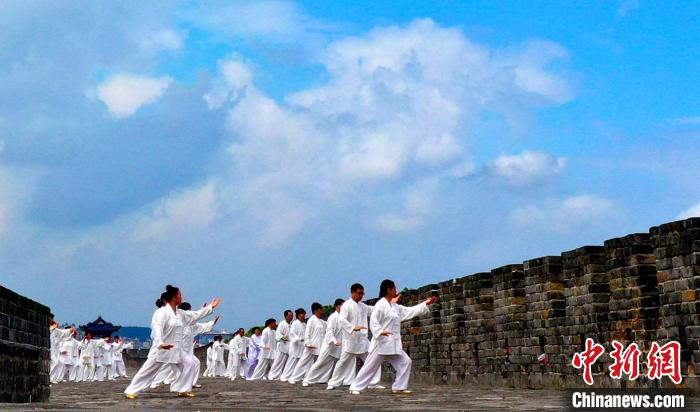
(385, 286)
(256, 328)
(185, 306)
(160, 302)
(299, 311)
(286, 312)
(116, 337)
(338, 302)
(355, 287)
(218, 338)
(269, 322)
(170, 293)
(316, 306)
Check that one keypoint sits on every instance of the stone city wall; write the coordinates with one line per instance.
(24, 349)
(489, 328)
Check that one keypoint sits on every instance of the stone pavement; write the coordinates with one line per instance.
(219, 393)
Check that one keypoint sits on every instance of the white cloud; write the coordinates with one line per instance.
(188, 212)
(165, 39)
(418, 203)
(525, 168)
(693, 211)
(124, 94)
(395, 110)
(566, 214)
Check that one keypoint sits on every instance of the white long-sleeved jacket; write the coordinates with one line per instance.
(268, 344)
(281, 332)
(387, 317)
(192, 331)
(238, 345)
(169, 328)
(314, 333)
(334, 335)
(354, 314)
(296, 338)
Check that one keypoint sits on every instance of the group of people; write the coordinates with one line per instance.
(297, 349)
(86, 360)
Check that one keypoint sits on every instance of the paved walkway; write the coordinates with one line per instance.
(219, 393)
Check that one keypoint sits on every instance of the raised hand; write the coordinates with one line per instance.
(397, 299)
(215, 303)
(431, 300)
(216, 319)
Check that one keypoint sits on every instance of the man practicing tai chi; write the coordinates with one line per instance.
(353, 318)
(321, 370)
(282, 337)
(313, 339)
(237, 349)
(385, 324)
(296, 343)
(267, 356)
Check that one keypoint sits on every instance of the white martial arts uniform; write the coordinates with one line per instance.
(169, 375)
(65, 361)
(296, 348)
(254, 343)
(387, 317)
(56, 338)
(237, 357)
(168, 328)
(219, 368)
(313, 340)
(355, 343)
(282, 351)
(119, 367)
(88, 353)
(76, 373)
(321, 370)
(108, 361)
(267, 354)
(210, 362)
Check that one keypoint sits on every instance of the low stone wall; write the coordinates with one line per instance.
(24, 349)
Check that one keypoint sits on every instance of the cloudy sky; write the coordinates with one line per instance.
(274, 152)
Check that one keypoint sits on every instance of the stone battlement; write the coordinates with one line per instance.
(489, 328)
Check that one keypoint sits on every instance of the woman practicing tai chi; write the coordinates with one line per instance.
(385, 324)
(167, 331)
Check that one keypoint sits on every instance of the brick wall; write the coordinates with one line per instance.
(24, 349)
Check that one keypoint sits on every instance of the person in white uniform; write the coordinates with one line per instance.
(218, 348)
(353, 319)
(118, 352)
(56, 338)
(168, 331)
(208, 372)
(88, 351)
(65, 359)
(296, 343)
(385, 325)
(267, 354)
(169, 375)
(254, 343)
(237, 347)
(321, 370)
(313, 339)
(76, 373)
(107, 360)
(282, 351)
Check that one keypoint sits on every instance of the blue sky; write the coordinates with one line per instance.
(275, 152)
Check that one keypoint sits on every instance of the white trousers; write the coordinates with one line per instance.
(262, 368)
(219, 368)
(229, 364)
(278, 366)
(289, 368)
(322, 369)
(237, 367)
(401, 363)
(208, 371)
(58, 372)
(75, 370)
(99, 373)
(146, 375)
(346, 369)
(307, 359)
(166, 375)
(88, 372)
(197, 365)
(120, 368)
(109, 371)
